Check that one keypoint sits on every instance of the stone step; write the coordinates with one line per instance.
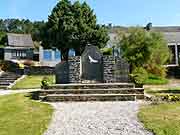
(93, 91)
(3, 87)
(91, 86)
(5, 83)
(90, 97)
(7, 80)
(9, 76)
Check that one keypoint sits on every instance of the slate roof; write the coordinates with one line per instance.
(171, 33)
(172, 37)
(20, 40)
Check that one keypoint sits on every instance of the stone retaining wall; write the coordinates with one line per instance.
(40, 70)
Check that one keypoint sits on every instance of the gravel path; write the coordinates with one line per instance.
(7, 92)
(96, 118)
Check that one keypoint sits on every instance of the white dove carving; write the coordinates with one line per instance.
(92, 60)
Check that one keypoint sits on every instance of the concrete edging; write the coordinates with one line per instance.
(19, 79)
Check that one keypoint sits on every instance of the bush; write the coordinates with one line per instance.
(157, 70)
(171, 98)
(45, 82)
(106, 51)
(8, 66)
(139, 75)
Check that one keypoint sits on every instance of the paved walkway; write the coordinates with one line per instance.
(96, 118)
(6, 92)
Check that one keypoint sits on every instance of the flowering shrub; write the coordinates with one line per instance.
(171, 98)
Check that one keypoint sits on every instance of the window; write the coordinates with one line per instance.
(71, 53)
(57, 55)
(172, 49)
(47, 55)
(19, 54)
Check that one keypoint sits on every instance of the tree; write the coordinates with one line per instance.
(143, 48)
(73, 26)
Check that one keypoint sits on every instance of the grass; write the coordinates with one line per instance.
(155, 80)
(163, 92)
(162, 119)
(2, 46)
(32, 82)
(22, 116)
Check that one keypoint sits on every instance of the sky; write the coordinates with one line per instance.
(117, 12)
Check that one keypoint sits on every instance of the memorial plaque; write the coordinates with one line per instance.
(92, 64)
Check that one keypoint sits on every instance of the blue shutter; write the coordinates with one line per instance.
(57, 55)
(47, 55)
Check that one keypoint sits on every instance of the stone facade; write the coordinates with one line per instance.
(74, 69)
(109, 62)
(116, 69)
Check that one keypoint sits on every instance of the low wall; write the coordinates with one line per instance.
(116, 69)
(40, 70)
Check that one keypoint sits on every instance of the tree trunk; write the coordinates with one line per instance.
(64, 54)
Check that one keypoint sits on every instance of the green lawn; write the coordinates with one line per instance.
(162, 119)
(155, 80)
(32, 81)
(22, 116)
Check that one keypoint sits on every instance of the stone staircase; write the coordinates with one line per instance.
(7, 78)
(91, 92)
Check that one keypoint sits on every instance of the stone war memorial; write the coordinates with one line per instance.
(92, 77)
(92, 67)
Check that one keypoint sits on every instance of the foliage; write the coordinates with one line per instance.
(136, 46)
(22, 116)
(155, 80)
(33, 82)
(106, 51)
(139, 75)
(8, 66)
(2, 38)
(171, 98)
(73, 25)
(145, 48)
(161, 119)
(158, 70)
(45, 82)
(23, 26)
